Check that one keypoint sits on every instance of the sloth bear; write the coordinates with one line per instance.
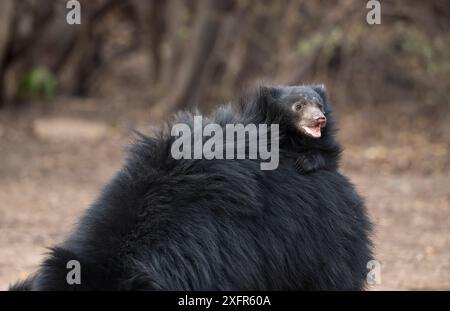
(167, 224)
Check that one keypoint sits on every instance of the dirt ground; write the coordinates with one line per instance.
(55, 158)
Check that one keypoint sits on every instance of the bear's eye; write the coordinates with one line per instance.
(297, 106)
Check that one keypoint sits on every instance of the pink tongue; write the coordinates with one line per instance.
(314, 131)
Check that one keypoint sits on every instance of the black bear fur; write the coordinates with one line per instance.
(166, 224)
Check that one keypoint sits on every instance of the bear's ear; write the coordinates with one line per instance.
(272, 92)
(321, 90)
(266, 96)
(276, 92)
(265, 102)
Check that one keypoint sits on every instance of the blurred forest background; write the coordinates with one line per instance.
(70, 93)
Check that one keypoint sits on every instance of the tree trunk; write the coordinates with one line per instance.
(208, 24)
(157, 29)
(176, 17)
(6, 16)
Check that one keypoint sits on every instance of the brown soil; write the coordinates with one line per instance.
(48, 177)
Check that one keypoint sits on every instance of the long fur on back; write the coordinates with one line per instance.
(166, 224)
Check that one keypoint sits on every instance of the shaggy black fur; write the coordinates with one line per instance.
(165, 224)
(310, 154)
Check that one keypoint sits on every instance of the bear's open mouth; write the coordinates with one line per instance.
(313, 131)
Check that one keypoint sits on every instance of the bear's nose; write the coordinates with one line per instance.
(321, 121)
